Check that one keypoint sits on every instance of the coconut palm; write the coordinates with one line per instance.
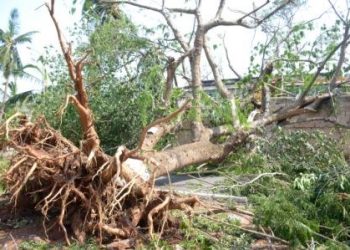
(10, 61)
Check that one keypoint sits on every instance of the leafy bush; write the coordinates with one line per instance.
(306, 193)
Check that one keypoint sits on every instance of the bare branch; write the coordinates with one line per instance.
(178, 36)
(224, 92)
(199, 5)
(274, 11)
(262, 67)
(229, 61)
(63, 45)
(337, 13)
(266, 99)
(192, 32)
(254, 11)
(291, 111)
(294, 60)
(185, 11)
(301, 98)
(165, 13)
(341, 59)
(240, 22)
(171, 70)
(220, 9)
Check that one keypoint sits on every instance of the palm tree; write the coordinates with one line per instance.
(10, 61)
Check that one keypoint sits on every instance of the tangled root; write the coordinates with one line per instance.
(57, 179)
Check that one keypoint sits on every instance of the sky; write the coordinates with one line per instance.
(34, 16)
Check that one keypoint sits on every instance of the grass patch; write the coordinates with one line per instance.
(34, 245)
(217, 231)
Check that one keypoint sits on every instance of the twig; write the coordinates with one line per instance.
(156, 210)
(250, 230)
(30, 172)
(63, 212)
(114, 231)
(238, 199)
(14, 241)
(229, 60)
(257, 178)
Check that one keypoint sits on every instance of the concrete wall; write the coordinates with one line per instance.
(333, 118)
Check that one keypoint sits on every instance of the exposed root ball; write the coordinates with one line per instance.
(57, 178)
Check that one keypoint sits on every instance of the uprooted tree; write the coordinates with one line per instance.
(113, 197)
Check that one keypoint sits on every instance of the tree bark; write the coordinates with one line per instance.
(6, 84)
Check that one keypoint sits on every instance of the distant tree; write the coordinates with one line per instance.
(10, 61)
(104, 10)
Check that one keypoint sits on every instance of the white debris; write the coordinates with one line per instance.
(139, 167)
(152, 130)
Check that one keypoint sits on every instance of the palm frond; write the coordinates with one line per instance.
(26, 37)
(16, 60)
(5, 61)
(13, 88)
(13, 22)
(2, 33)
(27, 76)
(20, 97)
(4, 55)
(31, 66)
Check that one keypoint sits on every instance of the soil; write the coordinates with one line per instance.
(19, 226)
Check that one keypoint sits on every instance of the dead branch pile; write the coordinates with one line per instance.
(55, 177)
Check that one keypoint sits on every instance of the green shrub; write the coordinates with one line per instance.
(305, 196)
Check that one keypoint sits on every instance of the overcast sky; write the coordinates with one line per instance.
(34, 16)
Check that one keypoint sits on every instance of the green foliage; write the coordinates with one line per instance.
(60, 115)
(302, 152)
(305, 194)
(123, 80)
(34, 245)
(286, 212)
(215, 232)
(292, 64)
(216, 111)
(121, 113)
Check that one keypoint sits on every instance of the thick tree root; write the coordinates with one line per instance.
(59, 180)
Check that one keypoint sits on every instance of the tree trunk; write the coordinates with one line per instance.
(2, 111)
(164, 162)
